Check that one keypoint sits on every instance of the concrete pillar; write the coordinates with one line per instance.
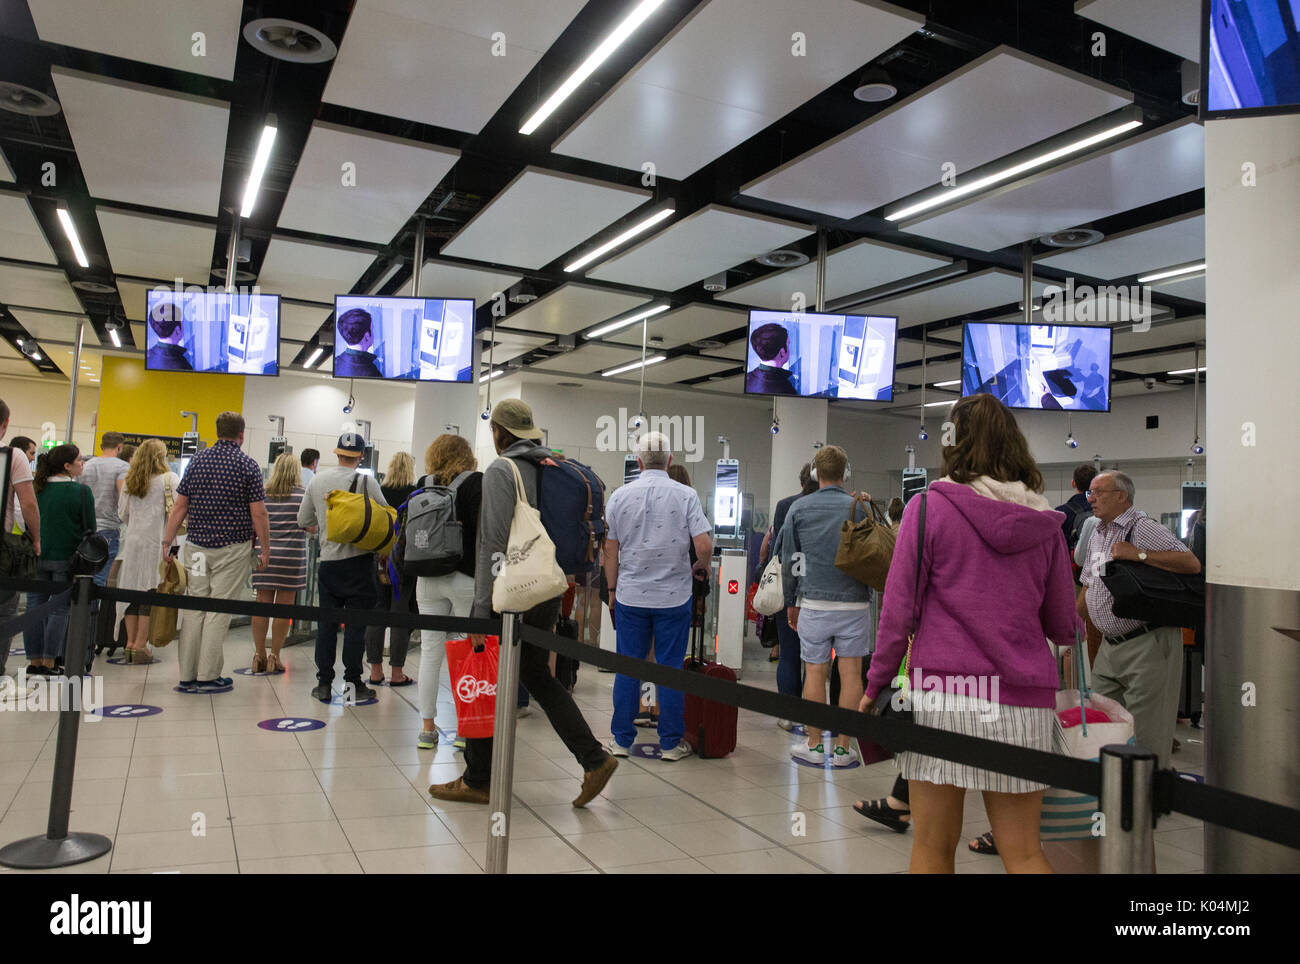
(1253, 598)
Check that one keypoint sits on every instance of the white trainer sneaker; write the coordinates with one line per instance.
(680, 752)
(616, 750)
(844, 757)
(810, 754)
(786, 725)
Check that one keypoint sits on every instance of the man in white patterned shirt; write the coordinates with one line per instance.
(1138, 666)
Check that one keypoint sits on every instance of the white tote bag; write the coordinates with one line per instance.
(769, 598)
(530, 575)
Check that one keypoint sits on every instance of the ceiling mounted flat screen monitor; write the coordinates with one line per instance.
(821, 356)
(1045, 367)
(1254, 57)
(203, 331)
(408, 339)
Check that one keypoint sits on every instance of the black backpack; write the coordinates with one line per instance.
(1076, 526)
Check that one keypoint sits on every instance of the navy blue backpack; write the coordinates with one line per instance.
(571, 500)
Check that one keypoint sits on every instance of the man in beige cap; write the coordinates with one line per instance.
(515, 437)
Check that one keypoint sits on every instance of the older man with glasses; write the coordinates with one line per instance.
(1139, 666)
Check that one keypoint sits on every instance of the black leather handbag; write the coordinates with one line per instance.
(92, 551)
(17, 553)
(1154, 596)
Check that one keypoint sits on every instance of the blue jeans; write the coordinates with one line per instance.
(101, 577)
(789, 669)
(636, 628)
(344, 584)
(47, 639)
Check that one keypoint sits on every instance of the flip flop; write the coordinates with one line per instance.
(406, 682)
(881, 812)
(984, 845)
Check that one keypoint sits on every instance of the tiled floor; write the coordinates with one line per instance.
(200, 788)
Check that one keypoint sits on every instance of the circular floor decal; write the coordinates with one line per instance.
(292, 724)
(202, 690)
(128, 711)
(647, 751)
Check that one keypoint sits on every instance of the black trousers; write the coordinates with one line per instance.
(565, 717)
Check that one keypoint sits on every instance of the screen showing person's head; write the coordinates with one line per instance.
(355, 328)
(771, 343)
(165, 318)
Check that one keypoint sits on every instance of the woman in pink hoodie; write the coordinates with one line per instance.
(994, 585)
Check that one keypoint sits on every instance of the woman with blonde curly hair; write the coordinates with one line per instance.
(148, 492)
(447, 459)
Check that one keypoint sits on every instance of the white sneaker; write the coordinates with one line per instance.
(810, 754)
(786, 725)
(844, 757)
(616, 750)
(680, 752)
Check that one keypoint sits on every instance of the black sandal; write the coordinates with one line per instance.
(881, 812)
(984, 845)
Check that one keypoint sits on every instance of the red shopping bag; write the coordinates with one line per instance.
(474, 682)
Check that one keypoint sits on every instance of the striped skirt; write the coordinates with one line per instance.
(1033, 727)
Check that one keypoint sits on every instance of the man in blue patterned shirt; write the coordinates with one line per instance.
(223, 500)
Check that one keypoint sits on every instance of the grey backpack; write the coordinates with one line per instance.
(430, 541)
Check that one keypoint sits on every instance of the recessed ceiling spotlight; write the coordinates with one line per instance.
(706, 343)
(782, 258)
(18, 99)
(1073, 238)
(290, 40)
(94, 287)
(875, 86)
(240, 276)
(523, 294)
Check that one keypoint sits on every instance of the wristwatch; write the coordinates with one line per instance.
(1142, 555)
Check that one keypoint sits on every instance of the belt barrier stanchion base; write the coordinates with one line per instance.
(1127, 798)
(503, 746)
(58, 847)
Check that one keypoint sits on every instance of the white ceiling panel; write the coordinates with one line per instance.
(1175, 241)
(157, 32)
(7, 351)
(37, 288)
(539, 216)
(141, 145)
(735, 385)
(679, 369)
(435, 62)
(441, 279)
(948, 299)
(1145, 169)
(134, 296)
(998, 104)
(725, 74)
(710, 240)
(1173, 25)
(855, 267)
(684, 325)
(392, 179)
(1160, 364)
(1135, 387)
(152, 247)
(589, 359)
(1181, 332)
(16, 368)
(737, 350)
(509, 345)
(312, 272)
(301, 322)
(45, 326)
(21, 237)
(570, 308)
(1193, 288)
(6, 172)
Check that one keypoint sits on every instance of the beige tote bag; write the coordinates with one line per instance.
(530, 575)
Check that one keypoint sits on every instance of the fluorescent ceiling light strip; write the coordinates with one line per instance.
(1015, 170)
(260, 161)
(117, 342)
(491, 375)
(951, 401)
(624, 322)
(70, 229)
(632, 366)
(955, 381)
(623, 238)
(1172, 273)
(315, 357)
(1187, 371)
(597, 57)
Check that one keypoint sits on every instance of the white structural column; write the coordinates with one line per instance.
(1252, 194)
(803, 422)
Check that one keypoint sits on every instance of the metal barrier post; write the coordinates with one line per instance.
(58, 848)
(503, 746)
(1127, 791)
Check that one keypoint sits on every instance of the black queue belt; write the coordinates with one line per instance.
(1226, 808)
(20, 624)
(366, 617)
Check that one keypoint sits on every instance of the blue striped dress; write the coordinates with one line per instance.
(287, 569)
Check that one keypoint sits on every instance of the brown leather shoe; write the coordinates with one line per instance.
(457, 790)
(593, 781)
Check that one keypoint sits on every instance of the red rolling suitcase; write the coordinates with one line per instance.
(710, 726)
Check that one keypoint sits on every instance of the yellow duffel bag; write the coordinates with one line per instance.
(355, 519)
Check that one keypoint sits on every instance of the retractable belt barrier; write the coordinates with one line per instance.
(1236, 811)
(20, 624)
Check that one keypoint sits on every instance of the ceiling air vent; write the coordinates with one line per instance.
(290, 40)
(706, 343)
(783, 258)
(568, 384)
(18, 99)
(94, 287)
(1073, 238)
(240, 276)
